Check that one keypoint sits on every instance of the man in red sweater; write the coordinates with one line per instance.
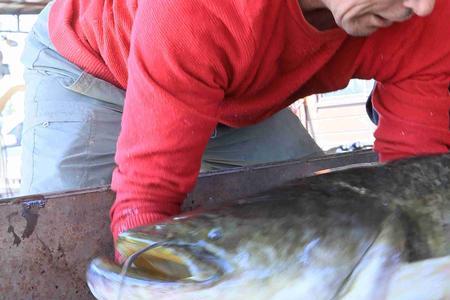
(188, 66)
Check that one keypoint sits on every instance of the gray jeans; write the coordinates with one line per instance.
(72, 122)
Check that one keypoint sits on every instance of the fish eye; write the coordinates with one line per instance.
(215, 234)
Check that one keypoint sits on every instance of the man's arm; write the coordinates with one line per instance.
(414, 117)
(179, 68)
(411, 60)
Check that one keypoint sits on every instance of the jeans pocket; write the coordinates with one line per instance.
(54, 150)
(68, 139)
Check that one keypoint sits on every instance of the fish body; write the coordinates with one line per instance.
(355, 234)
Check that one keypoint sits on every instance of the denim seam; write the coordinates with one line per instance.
(33, 150)
(91, 123)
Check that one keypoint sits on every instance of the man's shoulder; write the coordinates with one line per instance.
(201, 22)
(201, 11)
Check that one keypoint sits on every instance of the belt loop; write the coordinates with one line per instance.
(214, 134)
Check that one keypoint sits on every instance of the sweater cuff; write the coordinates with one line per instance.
(127, 222)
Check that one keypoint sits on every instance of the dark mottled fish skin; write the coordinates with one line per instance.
(335, 236)
(419, 188)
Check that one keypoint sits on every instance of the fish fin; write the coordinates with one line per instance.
(423, 280)
(371, 276)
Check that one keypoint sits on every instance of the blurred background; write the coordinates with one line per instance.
(16, 20)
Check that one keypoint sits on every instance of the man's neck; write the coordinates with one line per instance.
(308, 5)
(317, 14)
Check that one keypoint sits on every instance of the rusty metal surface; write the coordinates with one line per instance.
(223, 186)
(47, 240)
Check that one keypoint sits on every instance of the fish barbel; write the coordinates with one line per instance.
(377, 232)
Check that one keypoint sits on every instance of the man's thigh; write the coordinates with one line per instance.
(69, 139)
(281, 137)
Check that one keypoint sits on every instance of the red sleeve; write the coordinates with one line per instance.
(414, 117)
(411, 62)
(177, 77)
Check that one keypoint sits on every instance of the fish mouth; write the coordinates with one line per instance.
(171, 261)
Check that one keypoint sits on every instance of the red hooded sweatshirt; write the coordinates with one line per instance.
(189, 65)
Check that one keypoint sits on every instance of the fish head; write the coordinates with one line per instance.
(189, 253)
(185, 248)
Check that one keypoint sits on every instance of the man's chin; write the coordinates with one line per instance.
(360, 32)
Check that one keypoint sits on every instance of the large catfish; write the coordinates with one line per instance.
(379, 232)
